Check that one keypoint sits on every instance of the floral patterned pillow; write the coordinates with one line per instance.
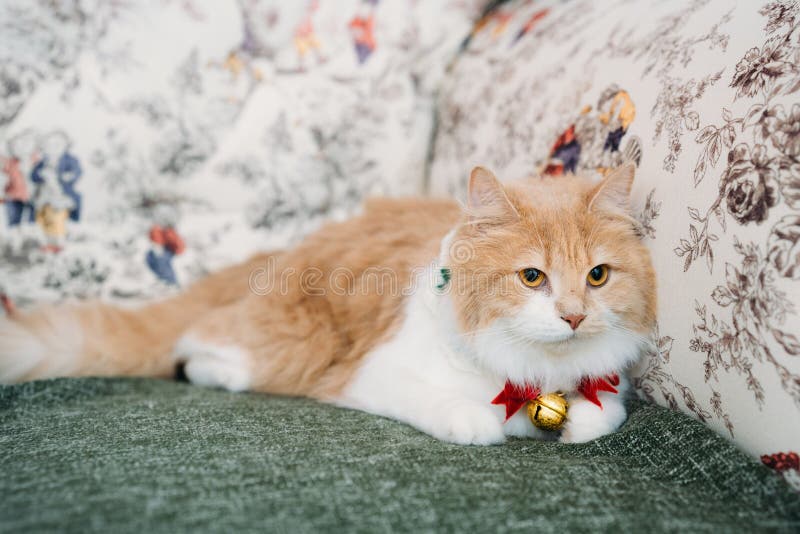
(145, 143)
(704, 97)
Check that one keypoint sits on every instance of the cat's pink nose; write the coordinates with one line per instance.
(574, 320)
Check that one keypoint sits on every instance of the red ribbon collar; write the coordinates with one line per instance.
(514, 397)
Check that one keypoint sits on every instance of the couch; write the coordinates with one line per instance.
(144, 145)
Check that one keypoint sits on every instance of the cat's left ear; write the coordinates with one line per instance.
(613, 193)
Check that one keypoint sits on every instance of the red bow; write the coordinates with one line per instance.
(515, 397)
(590, 386)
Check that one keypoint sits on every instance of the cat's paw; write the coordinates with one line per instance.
(587, 421)
(470, 424)
(520, 426)
(208, 364)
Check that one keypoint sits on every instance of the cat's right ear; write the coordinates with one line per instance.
(487, 200)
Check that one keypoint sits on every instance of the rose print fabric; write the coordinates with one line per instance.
(704, 97)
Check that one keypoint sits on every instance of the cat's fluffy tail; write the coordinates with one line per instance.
(89, 339)
(97, 339)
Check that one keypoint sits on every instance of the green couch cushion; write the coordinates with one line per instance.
(116, 455)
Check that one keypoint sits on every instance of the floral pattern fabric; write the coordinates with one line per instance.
(143, 144)
(704, 97)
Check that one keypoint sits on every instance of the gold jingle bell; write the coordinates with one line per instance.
(549, 411)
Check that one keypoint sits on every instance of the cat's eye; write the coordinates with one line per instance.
(597, 276)
(532, 277)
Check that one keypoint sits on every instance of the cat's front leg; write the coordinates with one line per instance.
(442, 412)
(587, 421)
(445, 417)
(467, 423)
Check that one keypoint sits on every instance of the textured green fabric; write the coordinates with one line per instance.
(146, 455)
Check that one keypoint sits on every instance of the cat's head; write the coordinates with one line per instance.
(551, 279)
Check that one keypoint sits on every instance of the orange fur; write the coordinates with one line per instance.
(135, 342)
(563, 226)
(310, 339)
(310, 344)
(301, 343)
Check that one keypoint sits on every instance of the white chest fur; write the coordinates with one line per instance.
(417, 378)
(426, 377)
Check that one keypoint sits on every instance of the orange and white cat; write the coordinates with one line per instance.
(542, 281)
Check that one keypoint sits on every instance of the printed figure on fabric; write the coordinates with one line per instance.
(499, 20)
(362, 27)
(165, 243)
(617, 114)
(305, 38)
(530, 24)
(17, 167)
(58, 167)
(41, 176)
(565, 153)
(594, 142)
